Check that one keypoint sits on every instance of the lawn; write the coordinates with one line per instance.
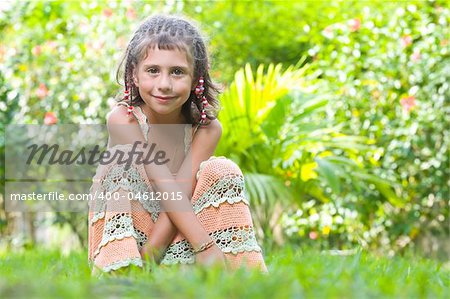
(293, 274)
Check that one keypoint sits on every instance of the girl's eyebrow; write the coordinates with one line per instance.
(173, 66)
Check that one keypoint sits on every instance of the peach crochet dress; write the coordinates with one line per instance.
(119, 228)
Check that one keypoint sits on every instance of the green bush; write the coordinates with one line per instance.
(391, 72)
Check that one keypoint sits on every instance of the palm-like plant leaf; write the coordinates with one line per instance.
(271, 126)
(248, 100)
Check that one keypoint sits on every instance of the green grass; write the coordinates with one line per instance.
(300, 274)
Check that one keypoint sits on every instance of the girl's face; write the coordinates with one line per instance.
(165, 80)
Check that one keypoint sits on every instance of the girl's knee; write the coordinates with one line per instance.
(219, 167)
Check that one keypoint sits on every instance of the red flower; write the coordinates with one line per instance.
(406, 40)
(354, 24)
(42, 91)
(313, 235)
(50, 118)
(408, 103)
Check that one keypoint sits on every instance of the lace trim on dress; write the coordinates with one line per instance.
(233, 240)
(119, 264)
(230, 188)
(142, 120)
(187, 138)
(96, 205)
(236, 239)
(141, 238)
(129, 180)
(118, 227)
(152, 206)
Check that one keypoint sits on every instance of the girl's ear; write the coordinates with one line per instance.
(135, 80)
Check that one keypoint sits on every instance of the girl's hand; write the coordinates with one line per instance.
(211, 256)
(152, 253)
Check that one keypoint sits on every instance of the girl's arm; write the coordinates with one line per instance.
(124, 130)
(203, 146)
(162, 235)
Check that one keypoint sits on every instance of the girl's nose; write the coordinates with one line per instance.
(164, 83)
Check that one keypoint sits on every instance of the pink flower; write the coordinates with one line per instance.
(107, 12)
(2, 52)
(415, 56)
(121, 42)
(131, 13)
(83, 27)
(408, 103)
(406, 40)
(313, 235)
(36, 51)
(97, 45)
(354, 24)
(50, 45)
(328, 32)
(444, 42)
(42, 91)
(50, 118)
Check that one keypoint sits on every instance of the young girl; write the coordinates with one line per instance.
(167, 82)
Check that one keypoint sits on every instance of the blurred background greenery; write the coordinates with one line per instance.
(336, 111)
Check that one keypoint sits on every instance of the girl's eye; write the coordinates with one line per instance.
(178, 72)
(152, 70)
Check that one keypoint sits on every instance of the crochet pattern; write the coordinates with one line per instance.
(118, 229)
(230, 240)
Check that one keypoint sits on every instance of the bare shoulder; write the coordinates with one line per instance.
(209, 136)
(123, 129)
(210, 133)
(213, 129)
(119, 116)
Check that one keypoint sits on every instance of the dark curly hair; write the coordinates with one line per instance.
(169, 33)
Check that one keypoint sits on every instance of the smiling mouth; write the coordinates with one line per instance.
(164, 98)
